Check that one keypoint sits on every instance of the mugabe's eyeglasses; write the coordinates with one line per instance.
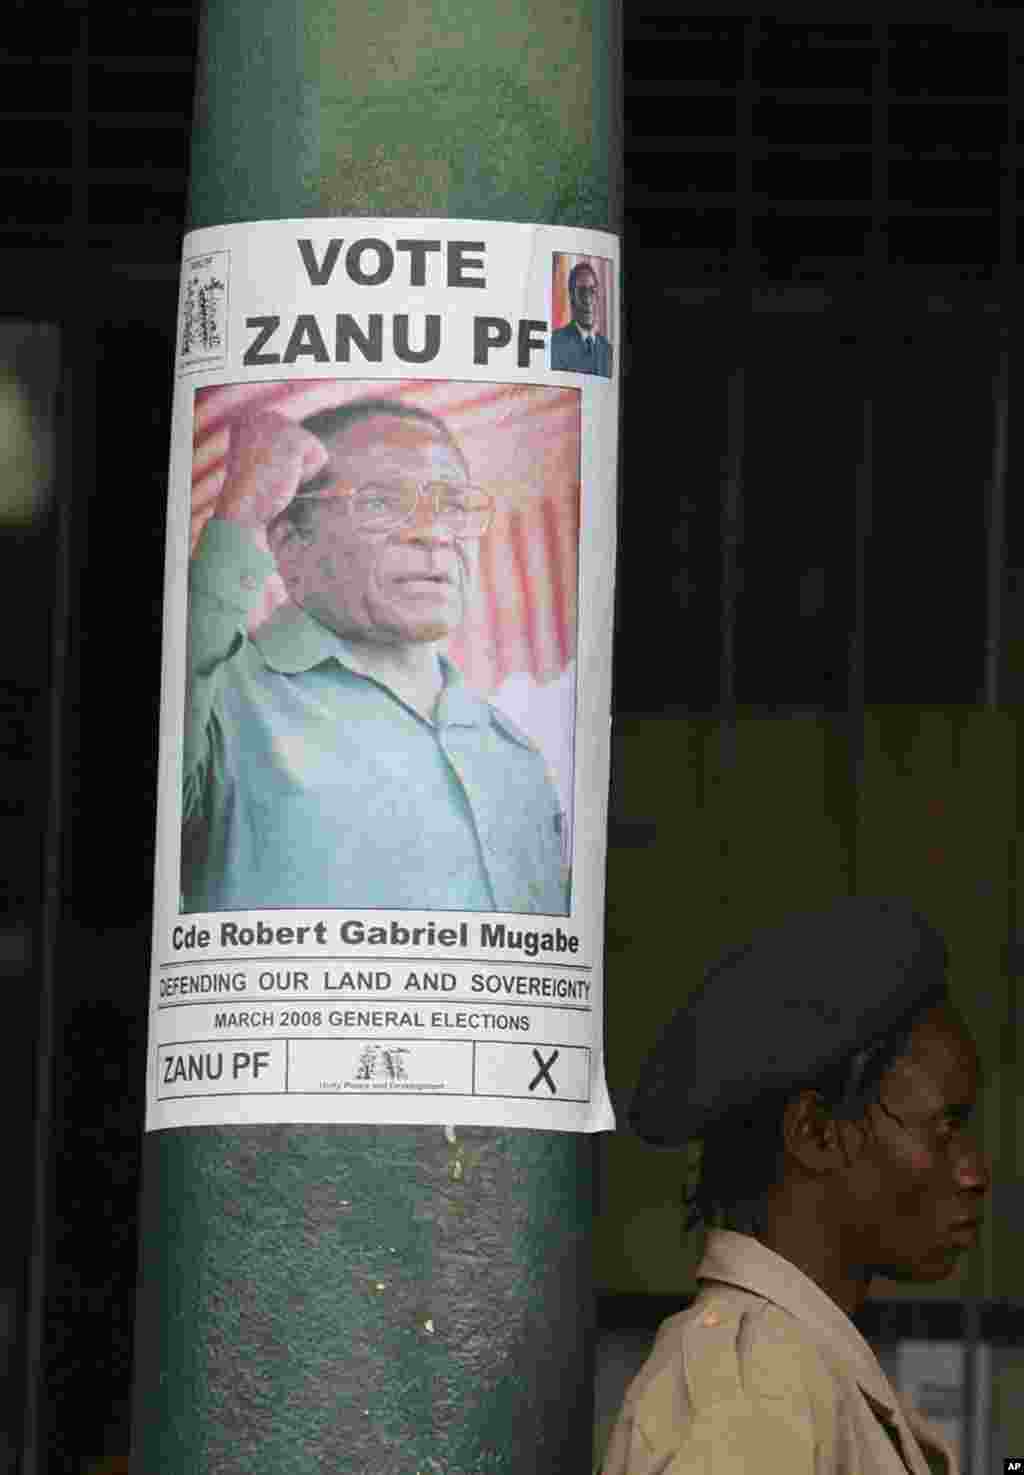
(381, 507)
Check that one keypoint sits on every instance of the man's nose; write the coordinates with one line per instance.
(425, 526)
(974, 1171)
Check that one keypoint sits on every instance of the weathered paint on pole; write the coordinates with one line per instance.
(380, 1299)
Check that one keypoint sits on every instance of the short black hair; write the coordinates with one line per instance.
(574, 275)
(328, 425)
(741, 1156)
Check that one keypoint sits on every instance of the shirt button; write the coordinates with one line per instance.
(248, 582)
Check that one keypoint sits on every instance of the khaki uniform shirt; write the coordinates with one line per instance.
(765, 1374)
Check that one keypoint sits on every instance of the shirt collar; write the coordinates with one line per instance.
(740, 1260)
(458, 707)
(583, 332)
(291, 642)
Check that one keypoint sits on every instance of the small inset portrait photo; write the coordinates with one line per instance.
(582, 312)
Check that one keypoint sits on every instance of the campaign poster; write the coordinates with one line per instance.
(386, 687)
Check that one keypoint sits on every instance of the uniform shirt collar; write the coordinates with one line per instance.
(740, 1260)
(291, 642)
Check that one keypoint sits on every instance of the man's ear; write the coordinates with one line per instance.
(812, 1136)
(287, 543)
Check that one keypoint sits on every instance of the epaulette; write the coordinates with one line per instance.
(711, 1356)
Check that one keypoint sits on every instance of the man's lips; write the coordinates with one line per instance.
(966, 1230)
(422, 578)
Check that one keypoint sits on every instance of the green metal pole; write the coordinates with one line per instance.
(380, 1299)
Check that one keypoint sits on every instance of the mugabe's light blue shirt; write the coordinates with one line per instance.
(310, 784)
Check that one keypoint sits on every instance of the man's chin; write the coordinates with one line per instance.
(423, 631)
(924, 1272)
(428, 634)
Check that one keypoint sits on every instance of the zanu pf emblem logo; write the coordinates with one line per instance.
(382, 1062)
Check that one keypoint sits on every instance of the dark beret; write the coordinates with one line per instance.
(777, 1012)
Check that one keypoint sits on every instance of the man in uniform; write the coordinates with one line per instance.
(830, 1083)
(579, 347)
(334, 757)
